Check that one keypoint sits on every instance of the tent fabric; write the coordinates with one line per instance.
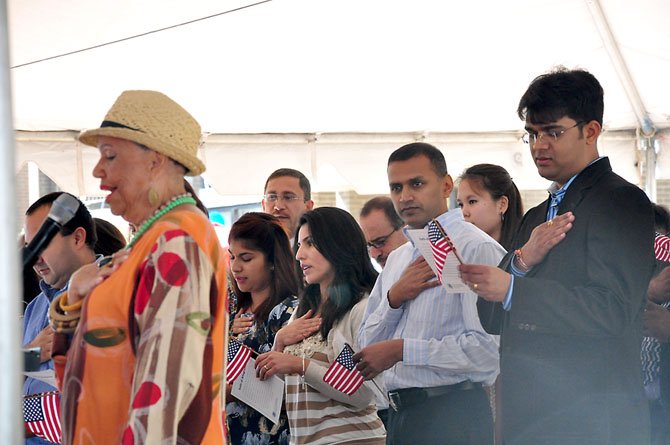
(240, 164)
(330, 87)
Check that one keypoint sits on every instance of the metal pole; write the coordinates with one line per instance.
(613, 51)
(648, 146)
(11, 430)
(647, 130)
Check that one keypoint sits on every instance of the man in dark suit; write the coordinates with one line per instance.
(569, 301)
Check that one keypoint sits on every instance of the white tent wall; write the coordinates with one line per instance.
(239, 164)
(331, 87)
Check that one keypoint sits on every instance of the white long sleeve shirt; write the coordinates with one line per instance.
(443, 341)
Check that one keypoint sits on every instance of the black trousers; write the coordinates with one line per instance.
(384, 416)
(660, 422)
(457, 418)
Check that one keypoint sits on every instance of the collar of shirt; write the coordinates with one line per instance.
(443, 219)
(558, 192)
(51, 292)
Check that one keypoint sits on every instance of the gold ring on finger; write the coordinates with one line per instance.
(266, 367)
(106, 261)
(474, 286)
(550, 223)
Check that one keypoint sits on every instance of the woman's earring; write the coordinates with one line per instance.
(272, 268)
(502, 217)
(154, 199)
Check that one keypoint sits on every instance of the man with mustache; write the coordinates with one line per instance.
(435, 351)
(382, 228)
(287, 196)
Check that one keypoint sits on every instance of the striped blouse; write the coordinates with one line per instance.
(318, 413)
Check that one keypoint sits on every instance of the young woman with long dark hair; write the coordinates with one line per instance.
(339, 275)
(265, 285)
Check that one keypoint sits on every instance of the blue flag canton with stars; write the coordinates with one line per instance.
(233, 347)
(434, 234)
(32, 410)
(346, 358)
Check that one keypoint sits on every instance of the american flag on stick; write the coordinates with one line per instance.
(662, 248)
(441, 246)
(238, 356)
(41, 414)
(342, 374)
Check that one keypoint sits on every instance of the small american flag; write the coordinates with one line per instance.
(441, 245)
(342, 374)
(238, 356)
(41, 414)
(662, 248)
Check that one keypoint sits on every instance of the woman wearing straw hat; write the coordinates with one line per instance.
(141, 338)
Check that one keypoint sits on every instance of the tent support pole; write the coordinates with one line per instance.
(11, 431)
(647, 145)
(620, 67)
(647, 131)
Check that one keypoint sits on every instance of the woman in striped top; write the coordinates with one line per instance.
(336, 267)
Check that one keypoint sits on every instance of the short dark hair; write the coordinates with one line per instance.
(265, 233)
(82, 218)
(339, 238)
(110, 239)
(302, 180)
(576, 94)
(498, 183)
(415, 149)
(385, 204)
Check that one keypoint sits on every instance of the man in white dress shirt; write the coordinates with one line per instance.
(435, 352)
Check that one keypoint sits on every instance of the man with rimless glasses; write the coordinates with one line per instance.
(288, 195)
(568, 302)
(381, 226)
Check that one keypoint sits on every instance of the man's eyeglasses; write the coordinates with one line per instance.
(532, 138)
(379, 242)
(286, 197)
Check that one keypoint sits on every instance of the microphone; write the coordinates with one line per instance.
(62, 211)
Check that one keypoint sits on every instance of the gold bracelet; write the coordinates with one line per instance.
(71, 308)
(57, 314)
(61, 322)
(65, 327)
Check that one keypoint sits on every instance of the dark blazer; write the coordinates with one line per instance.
(570, 345)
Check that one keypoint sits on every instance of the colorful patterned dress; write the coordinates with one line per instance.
(146, 362)
(246, 425)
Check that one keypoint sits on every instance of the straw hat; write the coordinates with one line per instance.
(152, 119)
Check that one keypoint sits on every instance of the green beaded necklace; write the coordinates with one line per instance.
(176, 201)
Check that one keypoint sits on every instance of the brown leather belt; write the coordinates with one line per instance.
(403, 398)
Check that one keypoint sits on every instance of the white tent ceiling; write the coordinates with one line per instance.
(318, 73)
